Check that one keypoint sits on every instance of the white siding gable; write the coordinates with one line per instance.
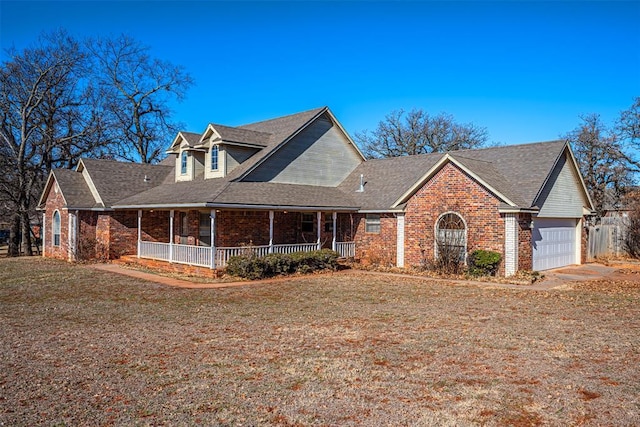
(562, 196)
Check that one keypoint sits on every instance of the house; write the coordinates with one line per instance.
(299, 183)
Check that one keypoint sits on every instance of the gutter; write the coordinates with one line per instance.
(240, 206)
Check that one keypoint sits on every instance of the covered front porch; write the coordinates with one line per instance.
(208, 238)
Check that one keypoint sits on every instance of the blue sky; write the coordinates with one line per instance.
(524, 70)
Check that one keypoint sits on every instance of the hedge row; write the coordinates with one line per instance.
(251, 266)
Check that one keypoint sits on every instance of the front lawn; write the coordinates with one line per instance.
(83, 347)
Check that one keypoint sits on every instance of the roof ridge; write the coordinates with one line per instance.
(455, 155)
(318, 109)
(239, 128)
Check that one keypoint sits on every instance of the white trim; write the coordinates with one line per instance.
(89, 181)
(400, 240)
(139, 230)
(72, 236)
(212, 216)
(319, 221)
(53, 229)
(436, 229)
(334, 216)
(510, 244)
(271, 215)
(240, 206)
(43, 233)
(171, 215)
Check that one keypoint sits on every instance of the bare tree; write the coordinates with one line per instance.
(600, 158)
(628, 131)
(48, 117)
(417, 132)
(139, 89)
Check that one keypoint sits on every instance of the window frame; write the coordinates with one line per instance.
(307, 222)
(215, 157)
(372, 224)
(464, 246)
(183, 163)
(56, 225)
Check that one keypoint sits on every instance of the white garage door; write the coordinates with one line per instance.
(554, 243)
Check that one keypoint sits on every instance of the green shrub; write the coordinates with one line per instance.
(484, 263)
(253, 267)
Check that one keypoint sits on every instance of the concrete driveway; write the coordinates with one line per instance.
(575, 273)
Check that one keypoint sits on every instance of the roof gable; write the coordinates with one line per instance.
(564, 192)
(113, 180)
(283, 130)
(188, 139)
(72, 186)
(319, 154)
(235, 136)
(515, 174)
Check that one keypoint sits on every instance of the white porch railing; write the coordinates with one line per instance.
(201, 255)
(154, 250)
(346, 249)
(296, 247)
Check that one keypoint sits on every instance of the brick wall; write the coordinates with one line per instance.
(525, 251)
(451, 190)
(376, 248)
(54, 202)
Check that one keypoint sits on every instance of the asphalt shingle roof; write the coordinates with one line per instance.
(117, 180)
(516, 171)
(74, 188)
(231, 134)
(386, 179)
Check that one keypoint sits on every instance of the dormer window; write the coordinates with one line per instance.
(214, 158)
(183, 163)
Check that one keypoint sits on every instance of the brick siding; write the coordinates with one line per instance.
(376, 248)
(54, 202)
(451, 190)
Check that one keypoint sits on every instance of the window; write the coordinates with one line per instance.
(183, 163)
(56, 228)
(328, 223)
(451, 240)
(205, 229)
(307, 222)
(184, 228)
(372, 223)
(214, 158)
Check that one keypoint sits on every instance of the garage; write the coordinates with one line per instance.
(554, 243)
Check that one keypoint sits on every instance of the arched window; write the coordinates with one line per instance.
(183, 163)
(214, 158)
(56, 228)
(451, 239)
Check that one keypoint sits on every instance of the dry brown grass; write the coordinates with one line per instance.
(82, 347)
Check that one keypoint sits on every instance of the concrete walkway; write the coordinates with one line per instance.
(553, 279)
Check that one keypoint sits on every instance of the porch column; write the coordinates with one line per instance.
(72, 235)
(139, 231)
(510, 244)
(400, 240)
(333, 241)
(213, 238)
(270, 231)
(44, 233)
(319, 217)
(171, 213)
